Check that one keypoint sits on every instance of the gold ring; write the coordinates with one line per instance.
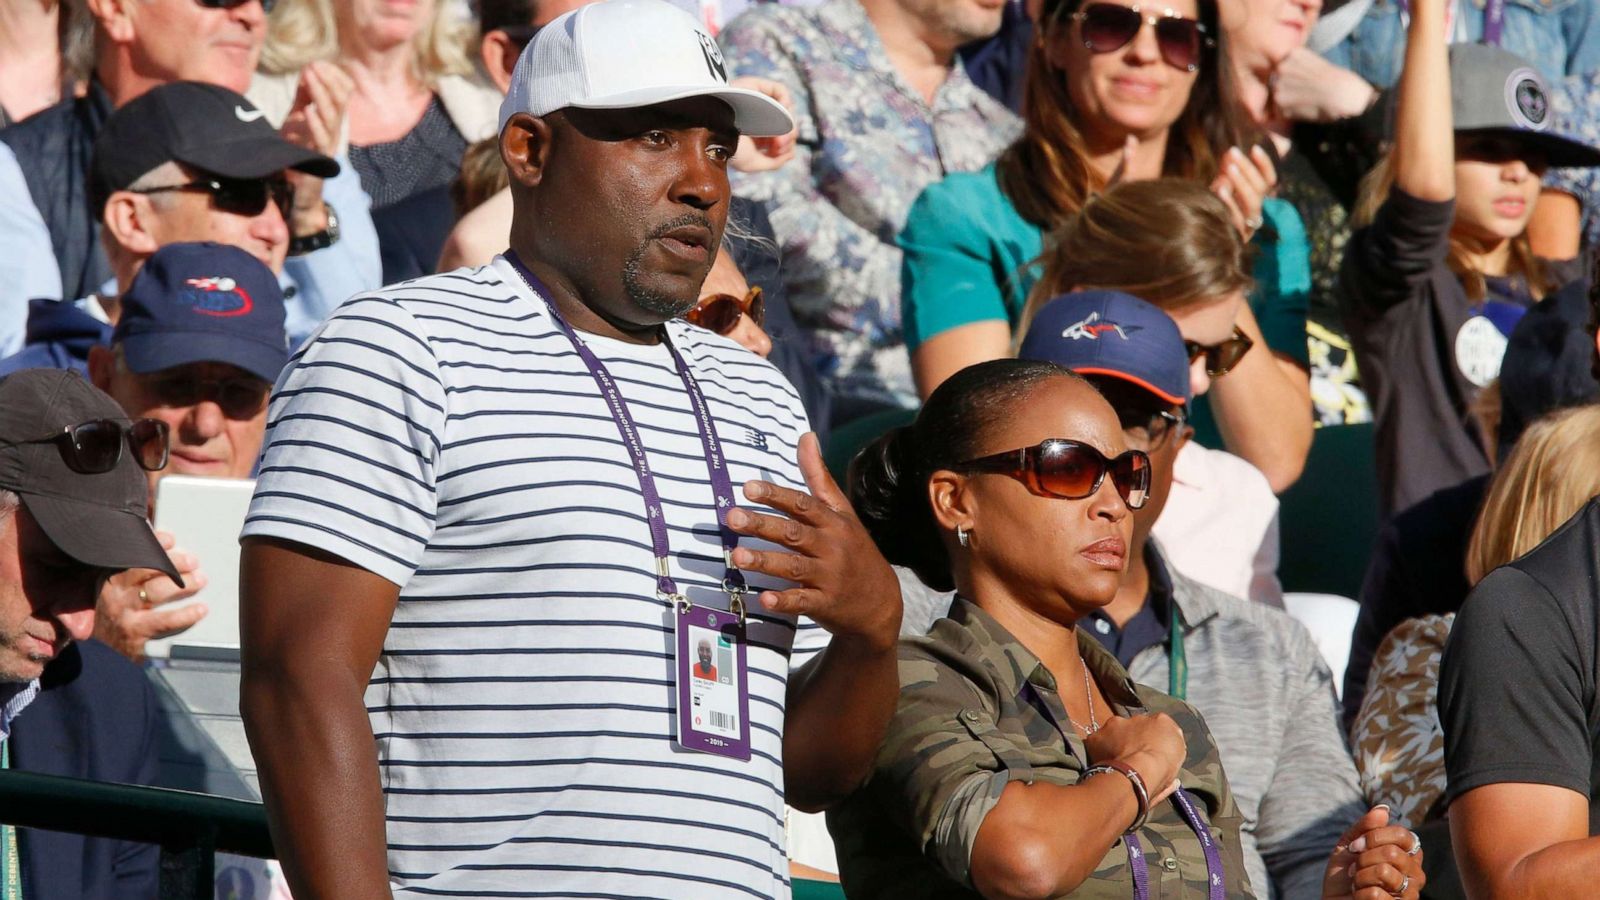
(144, 598)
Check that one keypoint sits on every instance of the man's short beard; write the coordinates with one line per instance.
(633, 272)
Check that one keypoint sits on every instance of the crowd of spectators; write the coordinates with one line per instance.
(675, 419)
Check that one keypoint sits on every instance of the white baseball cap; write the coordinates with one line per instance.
(620, 54)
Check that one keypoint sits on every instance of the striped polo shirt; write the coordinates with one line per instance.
(443, 434)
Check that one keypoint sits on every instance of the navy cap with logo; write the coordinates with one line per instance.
(1495, 91)
(99, 519)
(203, 302)
(202, 125)
(1114, 334)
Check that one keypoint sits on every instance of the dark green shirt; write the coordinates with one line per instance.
(967, 724)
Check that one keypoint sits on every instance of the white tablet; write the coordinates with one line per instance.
(206, 516)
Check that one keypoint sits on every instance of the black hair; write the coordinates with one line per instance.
(888, 480)
(500, 15)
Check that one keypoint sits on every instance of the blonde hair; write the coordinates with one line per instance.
(1374, 192)
(1550, 474)
(1168, 241)
(301, 32)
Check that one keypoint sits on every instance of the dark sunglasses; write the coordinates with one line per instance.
(1070, 470)
(240, 397)
(721, 312)
(1150, 431)
(242, 197)
(1221, 358)
(95, 447)
(266, 5)
(1106, 27)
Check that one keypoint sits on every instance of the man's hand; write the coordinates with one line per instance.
(129, 611)
(841, 580)
(1308, 88)
(315, 121)
(763, 154)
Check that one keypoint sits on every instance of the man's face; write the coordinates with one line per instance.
(217, 413)
(180, 40)
(705, 654)
(195, 215)
(46, 598)
(952, 23)
(632, 203)
(1156, 427)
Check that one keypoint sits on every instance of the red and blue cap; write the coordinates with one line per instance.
(1112, 334)
(203, 302)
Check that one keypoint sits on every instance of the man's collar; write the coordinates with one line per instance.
(1195, 605)
(14, 697)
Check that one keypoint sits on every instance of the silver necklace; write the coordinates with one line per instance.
(1088, 693)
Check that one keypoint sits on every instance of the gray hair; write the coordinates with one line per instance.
(9, 502)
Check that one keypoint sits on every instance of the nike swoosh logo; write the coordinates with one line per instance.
(247, 115)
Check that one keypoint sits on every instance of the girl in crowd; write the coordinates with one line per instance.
(1168, 242)
(1434, 284)
(999, 775)
(415, 102)
(1551, 473)
(1112, 93)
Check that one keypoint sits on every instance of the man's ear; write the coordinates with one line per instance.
(102, 362)
(127, 220)
(525, 148)
(115, 17)
(499, 55)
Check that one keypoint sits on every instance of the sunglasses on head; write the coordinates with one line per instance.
(1107, 27)
(1221, 358)
(266, 5)
(721, 312)
(240, 196)
(1070, 470)
(240, 397)
(95, 447)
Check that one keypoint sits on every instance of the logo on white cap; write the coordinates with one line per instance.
(1527, 100)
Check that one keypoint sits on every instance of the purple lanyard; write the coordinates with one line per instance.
(1136, 855)
(721, 485)
(1494, 19)
(1208, 845)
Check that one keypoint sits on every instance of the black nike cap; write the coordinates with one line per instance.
(202, 125)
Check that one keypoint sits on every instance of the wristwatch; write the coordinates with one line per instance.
(318, 240)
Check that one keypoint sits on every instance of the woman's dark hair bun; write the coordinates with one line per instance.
(890, 496)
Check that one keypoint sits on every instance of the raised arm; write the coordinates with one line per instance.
(311, 628)
(1424, 138)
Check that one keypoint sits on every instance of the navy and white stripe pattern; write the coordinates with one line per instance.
(443, 434)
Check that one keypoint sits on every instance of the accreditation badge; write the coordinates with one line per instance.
(713, 690)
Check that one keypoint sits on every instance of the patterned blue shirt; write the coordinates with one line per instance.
(868, 144)
(13, 698)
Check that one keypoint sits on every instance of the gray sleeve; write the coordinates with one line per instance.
(923, 605)
(1315, 793)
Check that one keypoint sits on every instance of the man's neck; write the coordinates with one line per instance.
(122, 82)
(1134, 591)
(569, 304)
(924, 60)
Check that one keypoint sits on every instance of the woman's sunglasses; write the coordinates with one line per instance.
(1221, 358)
(242, 197)
(721, 312)
(1070, 470)
(1107, 27)
(95, 447)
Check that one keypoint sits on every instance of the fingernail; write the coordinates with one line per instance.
(736, 517)
(1352, 870)
(1358, 845)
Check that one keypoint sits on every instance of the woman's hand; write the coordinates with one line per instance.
(1246, 181)
(1375, 861)
(1152, 744)
(763, 154)
(128, 612)
(1308, 88)
(316, 122)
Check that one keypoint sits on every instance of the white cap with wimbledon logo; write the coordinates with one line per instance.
(620, 54)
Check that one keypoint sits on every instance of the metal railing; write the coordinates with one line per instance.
(190, 828)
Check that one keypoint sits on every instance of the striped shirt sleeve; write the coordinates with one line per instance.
(354, 437)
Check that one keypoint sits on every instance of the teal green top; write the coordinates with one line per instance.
(970, 257)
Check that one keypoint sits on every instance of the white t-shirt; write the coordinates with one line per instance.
(1220, 525)
(442, 433)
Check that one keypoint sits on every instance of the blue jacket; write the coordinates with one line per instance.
(59, 337)
(96, 718)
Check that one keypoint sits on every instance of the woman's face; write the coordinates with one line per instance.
(382, 24)
(1497, 184)
(1062, 558)
(1130, 90)
(1261, 33)
(1209, 322)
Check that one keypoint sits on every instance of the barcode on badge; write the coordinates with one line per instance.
(723, 720)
